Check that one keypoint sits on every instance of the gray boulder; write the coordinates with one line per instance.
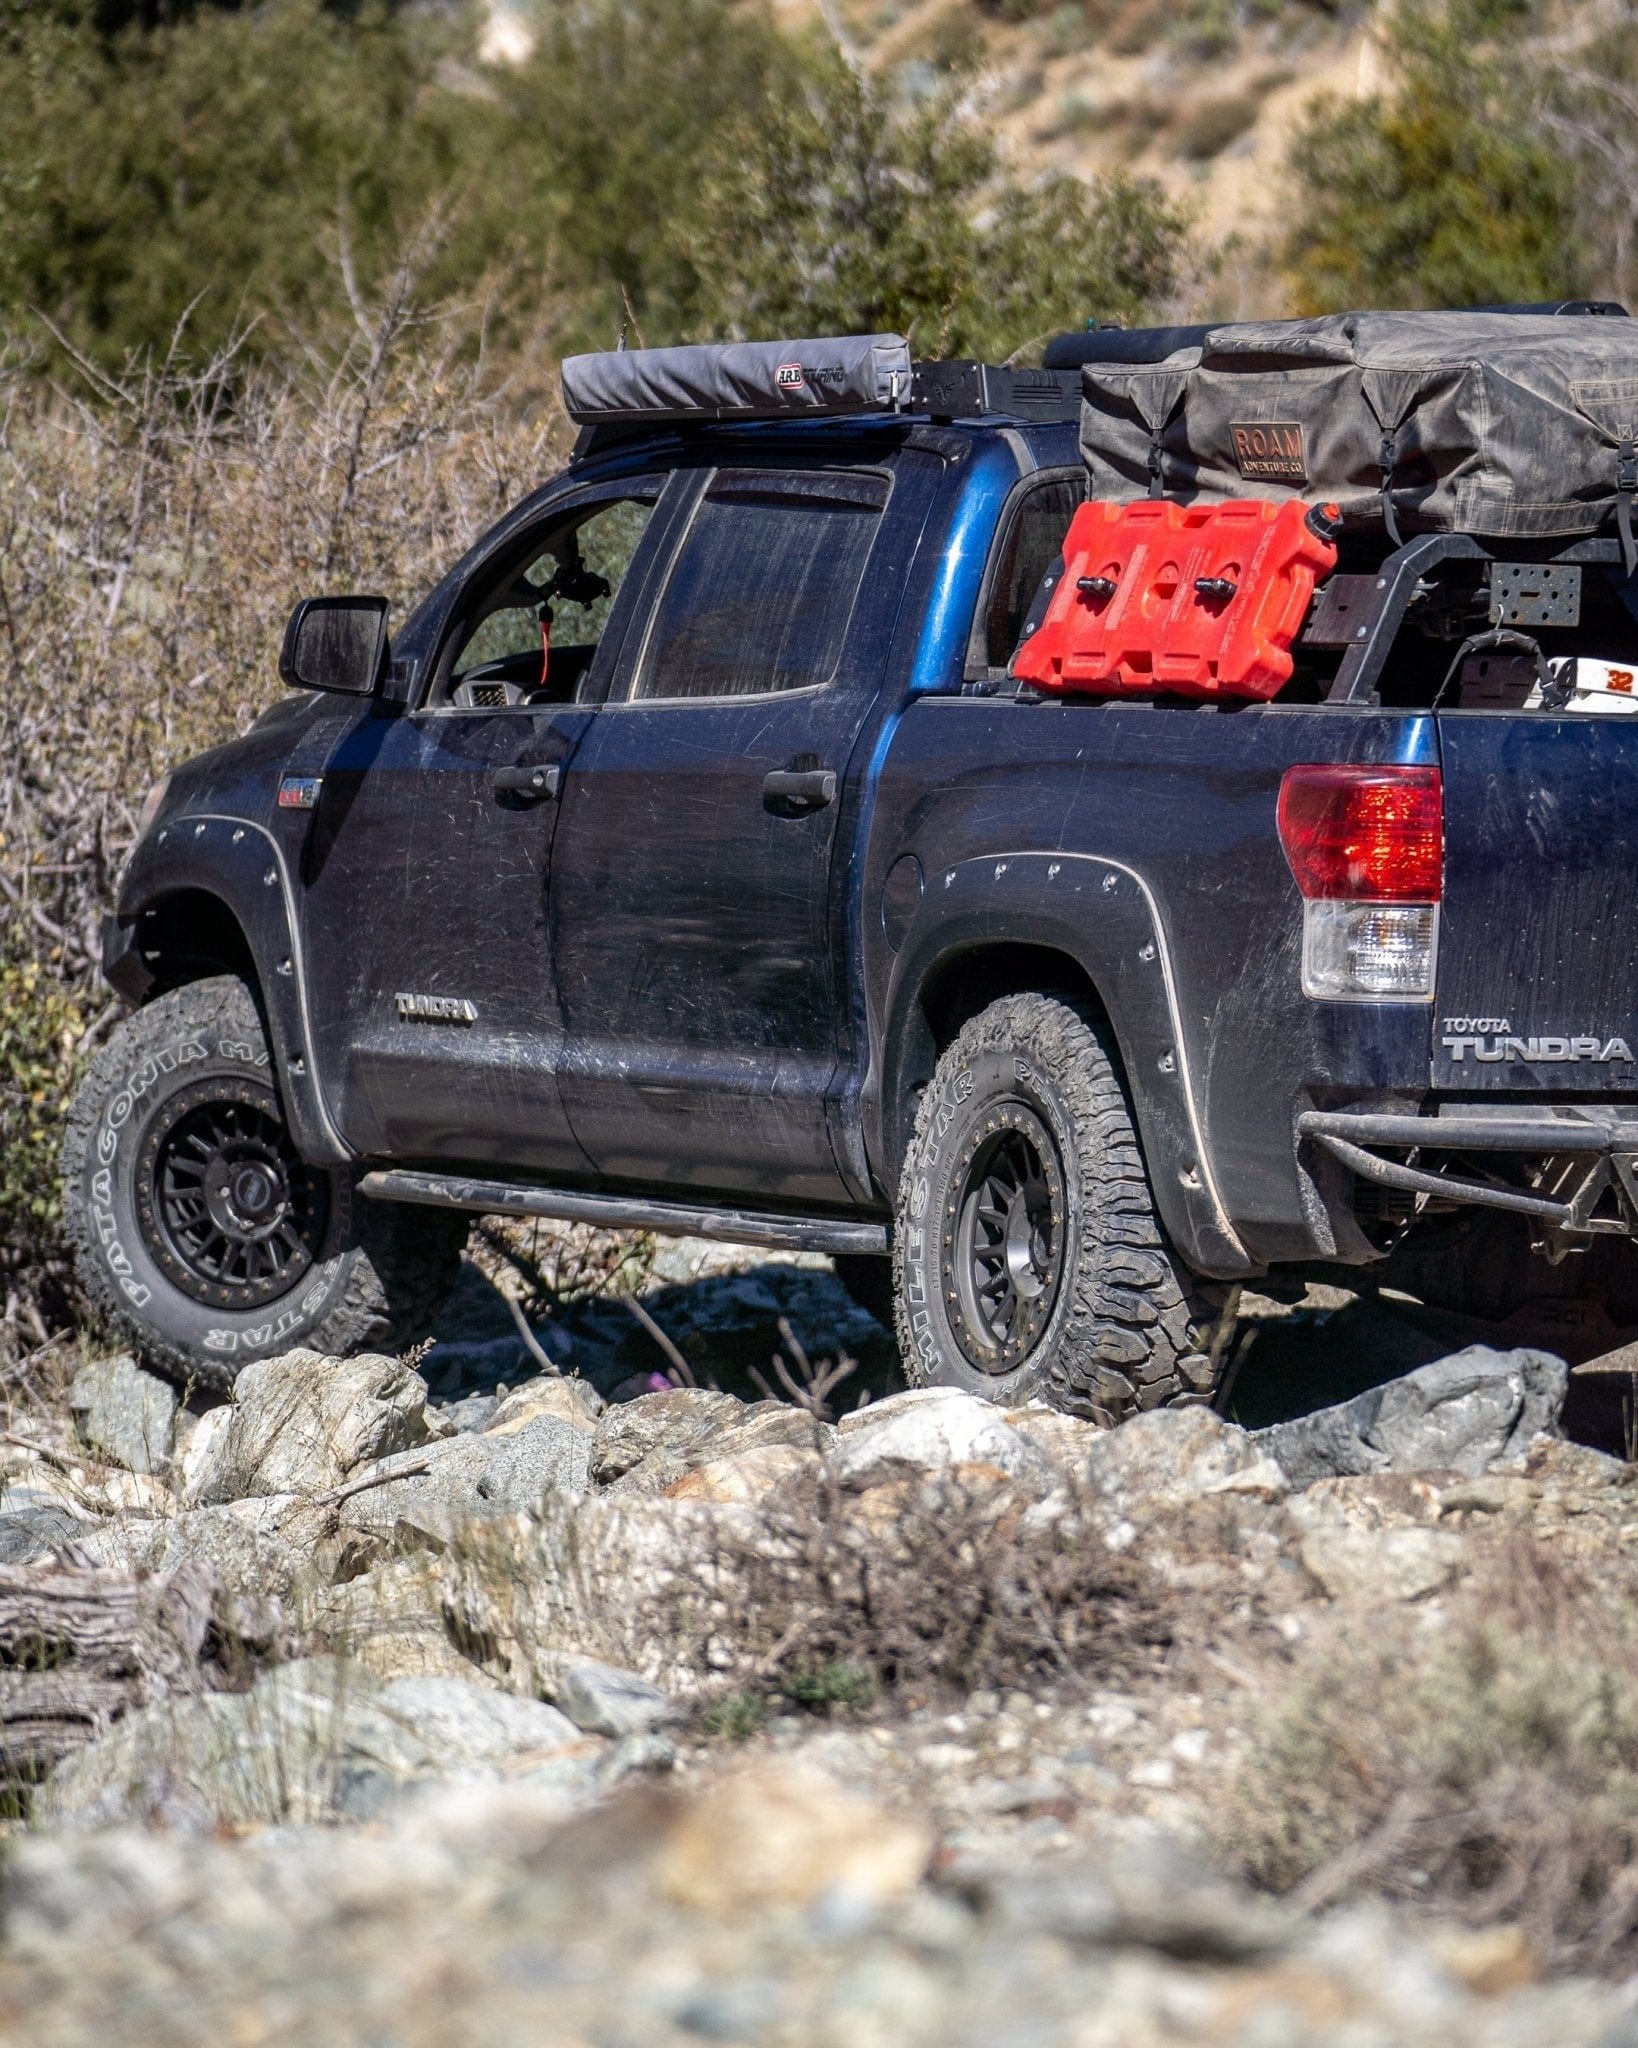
(34, 1524)
(928, 1431)
(1147, 1890)
(312, 1740)
(571, 1400)
(124, 1414)
(473, 1478)
(604, 1699)
(1169, 1455)
(734, 1446)
(300, 1423)
(656, 1425)
(428, 1729)
(1465, 1413)
(275, 1547)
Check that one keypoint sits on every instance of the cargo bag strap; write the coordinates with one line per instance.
(1156, 397)
(1626, 483)
(1392, 397)
(1386, 455)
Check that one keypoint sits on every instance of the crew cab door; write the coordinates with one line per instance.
(1538, 945)
(700, 969)
(430, 863)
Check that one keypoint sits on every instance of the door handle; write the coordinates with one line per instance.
(808, 789)
(533, 785)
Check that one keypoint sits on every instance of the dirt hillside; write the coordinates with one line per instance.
(1202, 96)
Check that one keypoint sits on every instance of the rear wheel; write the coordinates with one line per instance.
(1029, 1260)
(200, 1231)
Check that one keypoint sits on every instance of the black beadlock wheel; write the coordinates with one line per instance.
(1029, 1260)
(198, 1229)
(229, 1210)
(1005, 1219)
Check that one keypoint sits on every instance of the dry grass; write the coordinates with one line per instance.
(155, 529)
(1486, 1768)
(817, 1596)
(930, 1586)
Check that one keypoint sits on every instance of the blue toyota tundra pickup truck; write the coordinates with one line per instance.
(690, 858)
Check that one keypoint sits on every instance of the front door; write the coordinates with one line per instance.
(429, 866)
(699, 968)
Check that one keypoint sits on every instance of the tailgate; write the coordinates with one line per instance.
(1538, 944)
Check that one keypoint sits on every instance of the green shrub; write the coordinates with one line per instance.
(857, 212)
(822, 1688)
(736, 1717)
(1444, 190)
(1491, 1772)
(41, 1025)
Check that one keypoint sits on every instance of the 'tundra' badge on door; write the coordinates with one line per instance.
(436, 1009)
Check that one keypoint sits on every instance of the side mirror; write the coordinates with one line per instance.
(336, 643)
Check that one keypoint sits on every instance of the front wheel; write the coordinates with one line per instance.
(1029, 1258)
(197, 1227)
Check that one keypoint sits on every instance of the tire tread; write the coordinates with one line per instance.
(404, 1265)
(1138, 1323)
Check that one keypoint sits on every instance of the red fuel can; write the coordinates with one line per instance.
(1187, 600)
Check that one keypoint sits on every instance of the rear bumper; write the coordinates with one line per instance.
(1574, 1166)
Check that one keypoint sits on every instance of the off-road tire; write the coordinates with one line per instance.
(376, 1274)
(1127, 1328)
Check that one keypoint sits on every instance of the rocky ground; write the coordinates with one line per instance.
(474, 1702)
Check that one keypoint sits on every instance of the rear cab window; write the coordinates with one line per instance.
(1029, 540)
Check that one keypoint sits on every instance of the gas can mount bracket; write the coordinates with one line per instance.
(1535, 594)
(1375, 615)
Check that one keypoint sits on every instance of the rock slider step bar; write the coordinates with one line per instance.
(625, 1212)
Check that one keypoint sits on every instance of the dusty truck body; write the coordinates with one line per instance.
(764, 901)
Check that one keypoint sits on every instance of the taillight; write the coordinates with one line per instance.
(1367, 846)
(1370, 834)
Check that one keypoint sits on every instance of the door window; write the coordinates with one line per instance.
(529, 630)
(762, 592)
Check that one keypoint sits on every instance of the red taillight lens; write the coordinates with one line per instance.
(1369, 835)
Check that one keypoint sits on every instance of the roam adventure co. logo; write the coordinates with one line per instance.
(1271, 451)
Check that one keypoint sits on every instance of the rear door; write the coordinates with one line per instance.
(699, 967)
(1538, 942)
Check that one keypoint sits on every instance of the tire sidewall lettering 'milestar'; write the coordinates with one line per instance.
(917, 1252)
(124, 1102)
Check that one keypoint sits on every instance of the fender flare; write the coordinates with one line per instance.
(1102, 915)
(243, 866)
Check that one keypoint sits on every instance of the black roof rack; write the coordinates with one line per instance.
(968, 390)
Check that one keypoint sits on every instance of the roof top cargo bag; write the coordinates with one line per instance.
(1499, 424)
(738, 380)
